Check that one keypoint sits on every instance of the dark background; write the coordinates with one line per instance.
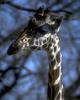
(24, 76)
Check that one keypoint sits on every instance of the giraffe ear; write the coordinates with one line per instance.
(58, 22)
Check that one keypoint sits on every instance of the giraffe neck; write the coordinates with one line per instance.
(54, 75)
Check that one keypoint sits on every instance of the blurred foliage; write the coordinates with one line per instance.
(24, 75)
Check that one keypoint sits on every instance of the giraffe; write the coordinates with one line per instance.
(35, 37)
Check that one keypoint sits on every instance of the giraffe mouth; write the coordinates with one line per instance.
(12, 49)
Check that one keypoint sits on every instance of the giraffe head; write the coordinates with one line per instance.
(44, 21)
(40, 27)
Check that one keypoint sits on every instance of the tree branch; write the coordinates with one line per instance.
(17, 6)
(29, 9)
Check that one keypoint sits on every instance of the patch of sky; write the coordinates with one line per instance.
(15, 14)
(74, 52)
(3, 49)
(66, 1)
(20, 2)
(26, 79)
(72, 65)
(41, 4)
(54, 8)
(76, 5)
(41, 57)
(26, 85)
(70, 28)
(77, 92)
(68, 53)
(65, 54)
(9, 59)
(9, 97)
(74, 23)
(66, 81)
(7, 23)
(31, 65)
(1, 86)
(74, 28)
(73, 75)
(23, 18)
(64, 31)
(23, 72)
(3, 65)
(9, 78)
(42, 90)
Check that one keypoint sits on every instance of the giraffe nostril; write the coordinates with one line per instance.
(12, 50)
